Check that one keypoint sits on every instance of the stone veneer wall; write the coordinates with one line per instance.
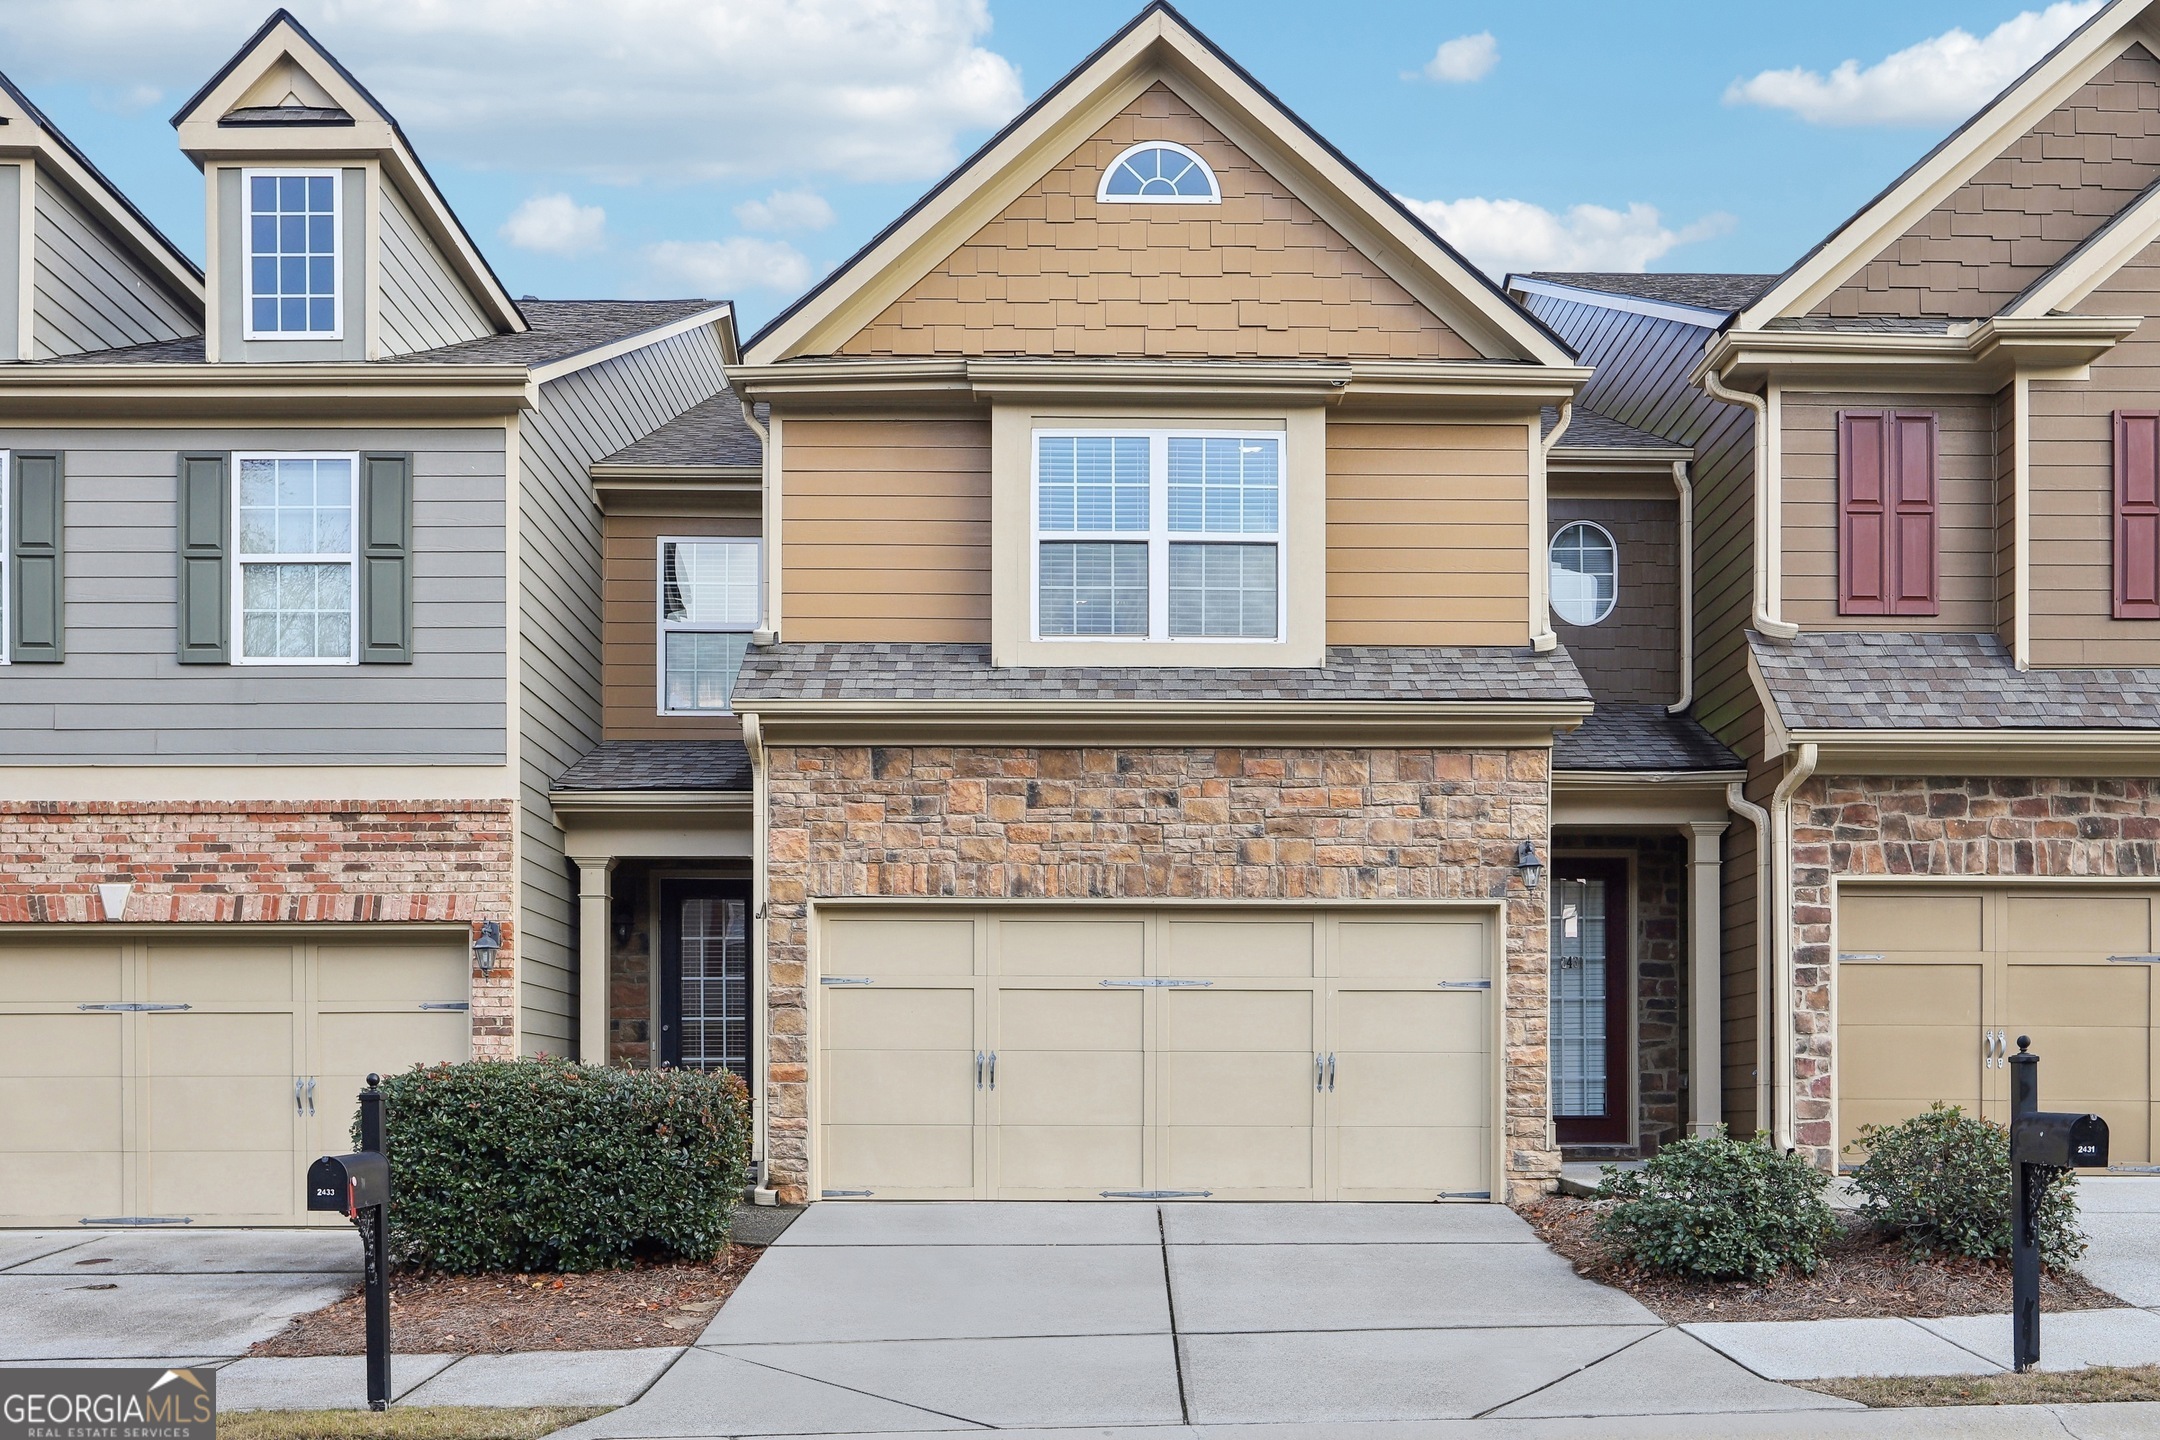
(1012, 823)
(1928, 827)
(1658, 920)
(228, 862)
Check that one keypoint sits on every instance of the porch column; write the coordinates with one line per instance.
(595, 906)
(1706, 1021)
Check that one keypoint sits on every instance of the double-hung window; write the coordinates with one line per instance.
(1158, 535)
(295, 579)
(293, 289)
(709, 604)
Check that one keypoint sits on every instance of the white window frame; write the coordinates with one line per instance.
(7, 572)
(1159, 536)
(1102, 186)
(664, 627)
(337, 255)
(1610, 610)
(240, 560)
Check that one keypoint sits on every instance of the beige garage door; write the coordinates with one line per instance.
(1927, 977)
(192, 1078)
(1108, 1054)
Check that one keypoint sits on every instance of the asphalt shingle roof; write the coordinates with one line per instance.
(661, 765)
(1588, 430)
(711, 432)
(1640, 737)
(924, 671)
(1885, 681)
(1707, 292)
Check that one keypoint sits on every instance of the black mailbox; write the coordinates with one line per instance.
(348, 1184)
(2060, 1139)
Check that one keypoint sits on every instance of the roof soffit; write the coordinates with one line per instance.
(283, 59)
(1997, 126)
(1156, 49)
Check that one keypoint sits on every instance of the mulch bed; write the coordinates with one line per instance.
(497, 1314)
(1861, 1275)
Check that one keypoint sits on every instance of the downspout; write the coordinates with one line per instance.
(1736, 800)
(1542, 637)
(761, 1187)
(1687, 588)
(1803, 766)
(1764, 621)
(767, 520)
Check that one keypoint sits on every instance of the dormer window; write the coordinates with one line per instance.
(292, 260)
(1159, 172)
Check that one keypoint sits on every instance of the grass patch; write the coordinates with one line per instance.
(2099, 1384)
(424, 1422)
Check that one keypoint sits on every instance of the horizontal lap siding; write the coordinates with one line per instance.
(1965, 512)
(424, 304)
(2073, 487)
(582, 417)
(87, 292)
(886, 529)
(123, 697)
(1632, 656)
(630, 611)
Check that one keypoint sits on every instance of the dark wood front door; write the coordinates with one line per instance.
(705, 975)
(1589, 998)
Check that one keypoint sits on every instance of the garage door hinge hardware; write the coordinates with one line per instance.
(2135, 959)
(1153, 983)
(1465, 1194)
(1156, 1194)
(845, 1194)
(1857, 955)
(134, 1009)
(1466, 984)
(446, 1004)
(843, 980)
(136, 1220)
(2134, 1169)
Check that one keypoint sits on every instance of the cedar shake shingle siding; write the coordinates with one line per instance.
(1260, 276)
(1633, 654)
(2026, 209)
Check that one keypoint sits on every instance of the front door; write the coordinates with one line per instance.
(705, 975)
(1589, 1002)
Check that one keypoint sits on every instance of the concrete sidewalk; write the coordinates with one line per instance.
(533, 1377)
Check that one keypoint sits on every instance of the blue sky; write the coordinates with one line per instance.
(742, 147)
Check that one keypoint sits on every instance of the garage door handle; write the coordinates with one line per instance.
(297, 1084)
(311, 1096)
(993, 1069)
(978, 1069)
(1319, 1073)
(1331, 1072)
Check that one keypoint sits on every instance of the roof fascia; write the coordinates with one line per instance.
(1982, 357)
(96, 392)
(375, 131)
(1700, 316)
(2049, 82)
(1656, 458)
(1983, 752)
(2093, 263)
(721, 315)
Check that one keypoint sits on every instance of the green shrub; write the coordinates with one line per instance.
(552, 1165)
(1715, 1208)
(1941, 1181)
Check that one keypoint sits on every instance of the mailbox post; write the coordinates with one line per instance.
(357, 1186)
(2042, 1143)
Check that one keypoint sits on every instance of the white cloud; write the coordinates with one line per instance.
(556, 225)
(786, 210)
(723, 269)
(658, 90)
(1463, 59)
(1503, 235)
(1942, 79)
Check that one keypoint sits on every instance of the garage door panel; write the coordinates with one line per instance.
(1067, 1087)
(388, 974)
(898, 945)
(351, 1045)
(1237, 1160)
(76, 1114)
(900, 1019)
(896, 1087)
(234, 972)
(226, 1185)
(1412, 950)
(1071, 947)
(213, 1044)
(2091, 923)
(1069, 1159)
(900, 1158)
(60, 1045)
(63, 1186)
(1902, 923)
(1237, 1020)
(1229, 1088)
(1412, 1020)
(34, 972)
(1408, 1088)
(1411, 1162)
(2073, 994)
(1875, 993)
(1070, 1020)
(1912, 1063)
(1246, 949)
(222, 1112)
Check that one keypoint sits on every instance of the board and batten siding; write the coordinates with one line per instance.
(122, 697)
(886, 534)
(1428, 534)
(630, 626)
(582, 417)
(2072, 586)
(87, 292)
(1965, 537)
(424, 304)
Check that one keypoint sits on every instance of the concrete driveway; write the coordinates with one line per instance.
(2121, 1217)
(919, 1317)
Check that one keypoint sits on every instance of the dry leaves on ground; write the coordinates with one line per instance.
(496, 1314)
(1860, 1275)
(2098, 1385)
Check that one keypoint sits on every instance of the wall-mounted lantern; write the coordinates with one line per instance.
(485, 944)
(1528, 865)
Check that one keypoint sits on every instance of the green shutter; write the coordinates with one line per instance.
(205, 585)
(36, 630)
(386, 559)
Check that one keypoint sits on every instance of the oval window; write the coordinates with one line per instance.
(1585, 573)
(1159, 171)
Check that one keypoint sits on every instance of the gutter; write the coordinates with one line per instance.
(1736, 800)
(1764, 621)
(1803, 767)
(1542, 638)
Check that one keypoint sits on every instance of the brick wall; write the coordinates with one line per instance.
(1935, 826)
(1211, 824)
(210, 862)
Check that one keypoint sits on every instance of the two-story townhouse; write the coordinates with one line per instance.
(303, 563)
(1927, 580)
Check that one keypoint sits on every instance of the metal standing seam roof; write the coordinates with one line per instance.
(710, 433)
(1925, 681)
(1641, 737)
(903, 672)
(1701, 290)
(629, 765)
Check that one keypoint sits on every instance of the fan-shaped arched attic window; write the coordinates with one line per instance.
(1159, 172)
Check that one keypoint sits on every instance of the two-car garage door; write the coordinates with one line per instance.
(192, 1078)
(1936, 984)
(1107, 1053)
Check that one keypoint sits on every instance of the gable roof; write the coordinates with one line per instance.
(357, 123)
(1952, 161)
(1157, 44)
(1701, 291)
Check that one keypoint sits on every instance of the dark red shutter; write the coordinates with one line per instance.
(1887, 547)
(2137, 515)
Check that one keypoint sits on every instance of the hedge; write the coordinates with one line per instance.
(1714, 1208)
(1941, 1182)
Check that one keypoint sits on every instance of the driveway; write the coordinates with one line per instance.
(911, 1317)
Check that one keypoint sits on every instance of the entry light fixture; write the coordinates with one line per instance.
(486, 943)
(1528, 865)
